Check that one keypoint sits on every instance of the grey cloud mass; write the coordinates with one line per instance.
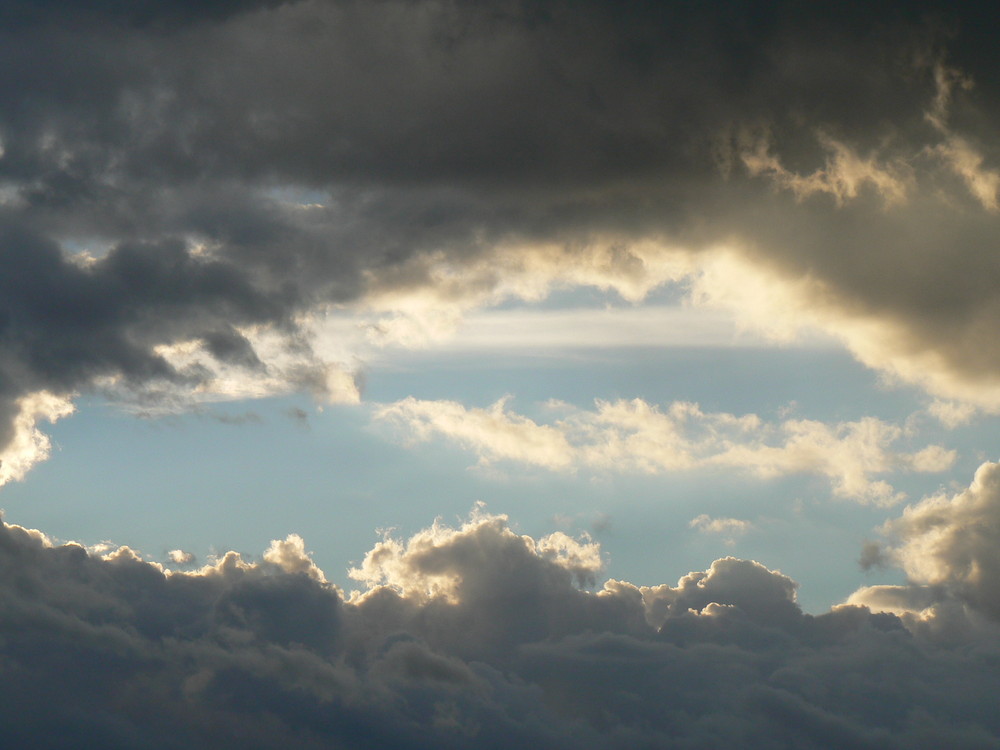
(475, 637)
(202, 174)
(175, 172)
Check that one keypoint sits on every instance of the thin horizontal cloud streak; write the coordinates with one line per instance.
(527, 330)
(633, 436)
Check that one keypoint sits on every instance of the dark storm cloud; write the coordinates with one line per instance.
(509, 654)
(137, 12)
(235, 164)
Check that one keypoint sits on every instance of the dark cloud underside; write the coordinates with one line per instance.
(142, 131)
(254, 656)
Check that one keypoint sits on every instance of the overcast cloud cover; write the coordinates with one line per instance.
(227, 200)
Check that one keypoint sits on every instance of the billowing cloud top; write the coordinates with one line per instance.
(472, 636)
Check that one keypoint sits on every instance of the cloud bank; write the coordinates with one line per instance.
(180, 185)
(468, 636)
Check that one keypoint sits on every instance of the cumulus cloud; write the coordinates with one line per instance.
(635, 436)
(464, 636)
(947, 546)
(28, 445)
(431, 563)
(180, 557)
(290, 555)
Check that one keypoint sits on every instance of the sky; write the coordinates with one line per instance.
(429, 373)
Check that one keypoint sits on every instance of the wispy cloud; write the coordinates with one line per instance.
(730, 528)
(844, 174)
(637, 437)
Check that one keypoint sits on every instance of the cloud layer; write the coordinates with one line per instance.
(468, 636)
(638, 437)
(188, 189)
(178, 184)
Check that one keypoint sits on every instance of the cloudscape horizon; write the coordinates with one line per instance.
(521, 373)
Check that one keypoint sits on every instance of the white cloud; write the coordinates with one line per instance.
(581, 557)
(29, 445)
(635, 436)
(960, 156)
(748, 585)
(951, 414)
(556, 330)
(180, 557)
(786, 308)
(932, 459)
(493, 433)
(274, 365)
(432, 563)
(729, 527)
(735, 296)
(290, 555)
(946, 80)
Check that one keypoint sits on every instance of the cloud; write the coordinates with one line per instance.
(467, 635)
(947, 547)
(546, 332)
(180, 557)
(273, 363)
(183, 189)
(950, 413)
(843, 175)
(730, 527)
(432, 563)
(424, 300)
(635, 436)
(872, 556)
(493, 433)
(187, 188)
(290, 555)
(28, 445)
(967, 163)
